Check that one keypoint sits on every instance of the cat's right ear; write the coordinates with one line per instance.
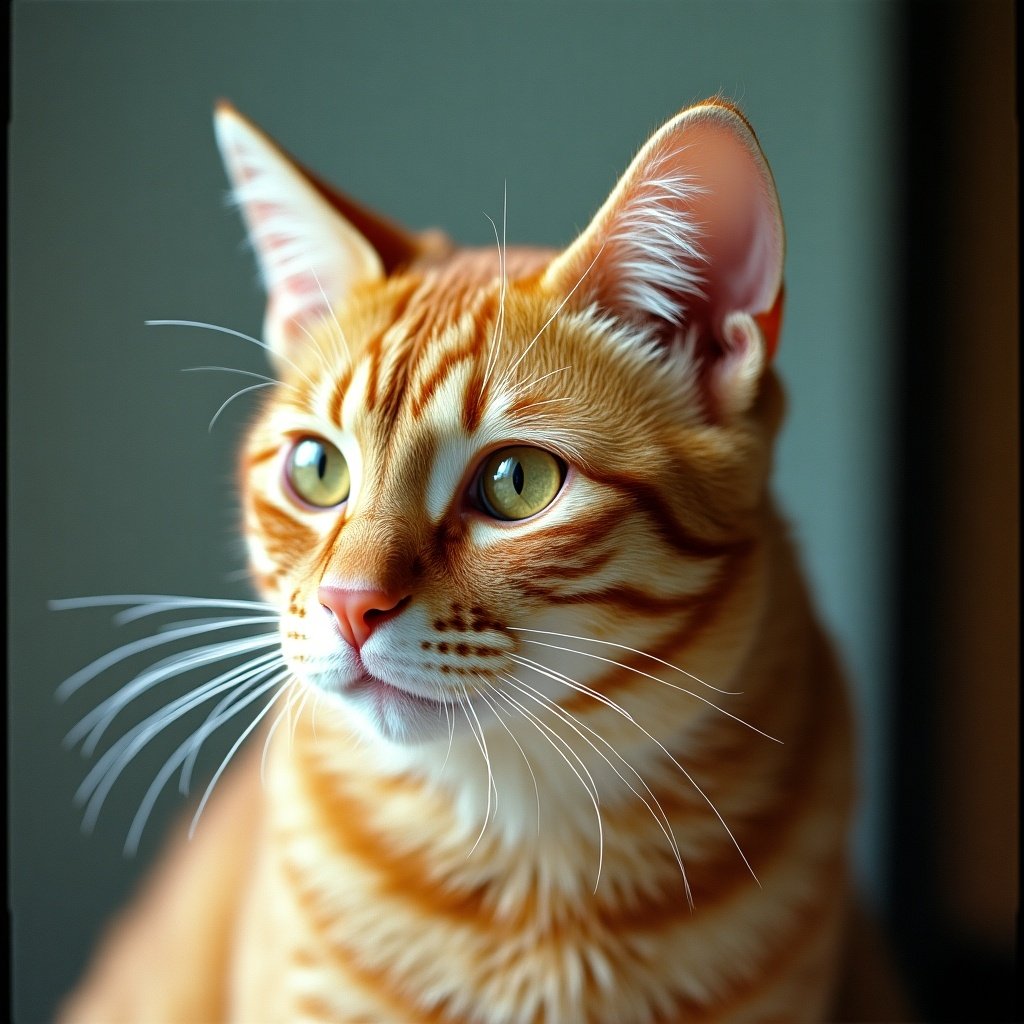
(314, 246)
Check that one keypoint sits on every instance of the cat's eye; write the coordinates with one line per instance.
(519, 482)
(318, 472)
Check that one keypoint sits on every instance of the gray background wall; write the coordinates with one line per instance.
(423, 111)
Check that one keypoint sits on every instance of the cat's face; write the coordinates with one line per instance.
(482, 463)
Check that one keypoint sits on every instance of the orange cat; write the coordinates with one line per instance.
(569, 744)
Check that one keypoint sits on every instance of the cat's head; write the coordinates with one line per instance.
(490, 477)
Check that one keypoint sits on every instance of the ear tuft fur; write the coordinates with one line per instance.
(309, 255)
(690, 240)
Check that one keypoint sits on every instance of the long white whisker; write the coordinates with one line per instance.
(337, 324)
(547, 323)
(550, 735)
(632, 650)
(316, 347)
(647, 675)
(499, 326)
(108, 770)
(296, 689)
(576, 725)
(237, 394)
(237, 334)
(546, 401)
(449, 712)
(97, 721)
(180, 753)
(554, 674)
(274, 660)
(244, 373)
(231, 753)
(581, 687)
(298, 714)
(74, 682)
(533, 381)
(152, 603)
(482, 744)
(143, 731)
(497, 715)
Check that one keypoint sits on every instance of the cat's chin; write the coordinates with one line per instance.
(392, 713)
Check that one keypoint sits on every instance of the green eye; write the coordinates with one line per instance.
(318, 472)
(518, 482)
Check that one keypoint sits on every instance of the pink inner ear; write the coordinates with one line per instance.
(691, 233)
(737, 220)
(296, 294)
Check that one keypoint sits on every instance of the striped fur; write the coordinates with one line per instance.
(631, 802)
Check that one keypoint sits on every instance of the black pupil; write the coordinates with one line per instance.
(518, 477)
(321, 464)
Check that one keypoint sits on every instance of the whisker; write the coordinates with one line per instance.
(581, 687)
(554, 674)
(632, 650)
(244, 373)
(97, 721)
(575, 724)
(143, 731)
(298, 714)
(512, 369)
(316, 347)
(533, 381)
(231, 753)
(449, 712)
(171, 765)
(75, 681)
(153, 603)
(108, 769)
(237, 394)
(647, 675)
(482, 744)
(550, 735)
(337, 324)
(550, 401)
(296, 687)
(236, 334)
(270, 662)
(497, 715)
(499, 327)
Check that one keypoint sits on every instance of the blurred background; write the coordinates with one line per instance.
(892, 134)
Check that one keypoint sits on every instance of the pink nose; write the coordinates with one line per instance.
(358, 612)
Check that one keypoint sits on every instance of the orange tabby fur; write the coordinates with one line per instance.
(372, 879)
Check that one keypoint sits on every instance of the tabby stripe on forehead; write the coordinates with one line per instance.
(473, 406)
(471, 349)
(337, 399)
(406, 318)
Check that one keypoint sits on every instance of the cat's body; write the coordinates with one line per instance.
(579, 830)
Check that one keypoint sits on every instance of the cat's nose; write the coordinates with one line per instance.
(358, 613)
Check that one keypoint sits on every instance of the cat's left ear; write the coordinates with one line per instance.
(689, 247)
(314, 245)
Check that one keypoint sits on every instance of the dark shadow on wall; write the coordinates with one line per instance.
(955, 798)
